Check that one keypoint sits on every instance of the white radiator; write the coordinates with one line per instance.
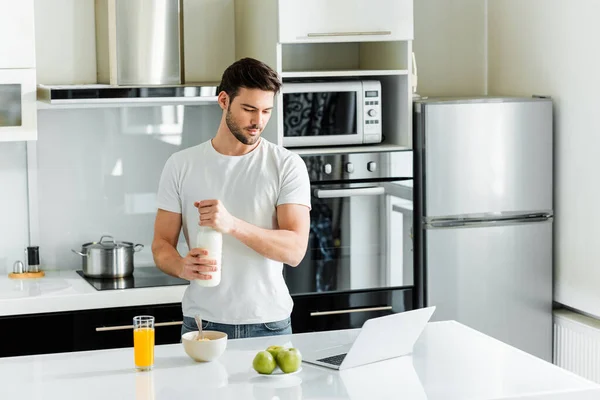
(577, 344)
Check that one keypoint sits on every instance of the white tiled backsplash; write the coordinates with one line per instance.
(98, 172)
(13, 204)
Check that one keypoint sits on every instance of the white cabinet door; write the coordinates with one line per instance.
(345, 21)
(17, 33)
(18, 109)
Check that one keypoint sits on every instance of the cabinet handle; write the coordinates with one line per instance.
(353, 310)
(337, 193)
(328, 34)
(125, 327)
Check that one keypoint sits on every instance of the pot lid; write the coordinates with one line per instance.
(107, 242)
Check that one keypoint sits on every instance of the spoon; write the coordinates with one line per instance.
(199, 323)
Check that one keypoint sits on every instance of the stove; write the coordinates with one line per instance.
(142, 278)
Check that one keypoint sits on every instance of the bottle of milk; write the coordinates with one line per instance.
(212, 241)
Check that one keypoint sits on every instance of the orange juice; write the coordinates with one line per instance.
(143, 347)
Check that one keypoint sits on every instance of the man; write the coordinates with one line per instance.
(257, 194)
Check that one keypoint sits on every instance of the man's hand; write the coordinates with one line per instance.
(195, 263)
(214, 214)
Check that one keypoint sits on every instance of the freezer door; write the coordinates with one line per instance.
(497, 280)
(487, 156)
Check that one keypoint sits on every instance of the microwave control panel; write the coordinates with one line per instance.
(372, 111)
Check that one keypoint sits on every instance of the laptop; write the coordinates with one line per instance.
(379, 339)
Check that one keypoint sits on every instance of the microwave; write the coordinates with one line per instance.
(331, 113)
(18, 109)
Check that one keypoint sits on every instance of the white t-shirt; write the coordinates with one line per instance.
(251, 186)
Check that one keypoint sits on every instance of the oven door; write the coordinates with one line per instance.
(347, 243)
(322, 114)
(18, 110)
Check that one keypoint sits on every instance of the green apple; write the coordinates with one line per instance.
(264, 363)
(289, 360)
(274, 350)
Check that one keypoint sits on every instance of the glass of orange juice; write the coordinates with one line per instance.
(143, 342)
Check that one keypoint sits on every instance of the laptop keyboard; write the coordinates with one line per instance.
(334, 360)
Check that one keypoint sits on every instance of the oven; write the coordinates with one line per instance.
(356, 265)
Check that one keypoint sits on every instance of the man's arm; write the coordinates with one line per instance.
(164, 245)
(286, 244)
(166, 256)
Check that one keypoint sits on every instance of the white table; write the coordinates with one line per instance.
(450, 361)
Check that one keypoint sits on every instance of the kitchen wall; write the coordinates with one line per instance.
(98, 173)
(13, 204)
(450, 47)
(548, 47)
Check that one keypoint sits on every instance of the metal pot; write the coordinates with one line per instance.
(107, 258)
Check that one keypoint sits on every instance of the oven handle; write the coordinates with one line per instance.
(352, 310)
(335, 193)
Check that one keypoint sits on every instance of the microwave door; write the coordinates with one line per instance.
(322, 115)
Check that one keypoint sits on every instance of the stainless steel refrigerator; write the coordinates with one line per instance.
(483, 198)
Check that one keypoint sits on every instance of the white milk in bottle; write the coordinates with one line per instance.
(212, 241)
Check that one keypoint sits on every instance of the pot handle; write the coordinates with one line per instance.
(135, 248)
(78, 253)
(112, 239)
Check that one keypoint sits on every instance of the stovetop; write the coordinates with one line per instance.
(142, 278)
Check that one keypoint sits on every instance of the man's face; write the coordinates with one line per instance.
(248, 114)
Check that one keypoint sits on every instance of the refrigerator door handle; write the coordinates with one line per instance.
(486, 222)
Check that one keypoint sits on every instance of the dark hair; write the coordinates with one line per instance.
(250, 74)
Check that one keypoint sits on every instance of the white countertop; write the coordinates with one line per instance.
(450, 361)
(67, 291)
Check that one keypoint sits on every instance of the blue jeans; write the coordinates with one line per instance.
(283, 327)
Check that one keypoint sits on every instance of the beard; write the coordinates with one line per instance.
(238, 132)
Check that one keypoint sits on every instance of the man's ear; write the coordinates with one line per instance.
(223, 100)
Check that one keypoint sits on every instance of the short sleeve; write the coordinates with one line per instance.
(168, 188)
(295, 185)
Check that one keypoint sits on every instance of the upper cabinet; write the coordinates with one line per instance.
(17, 47)
(18, 112)
(345, 21)
(335, 40)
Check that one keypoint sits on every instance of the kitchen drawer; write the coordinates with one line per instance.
(23, 335)
(84, 330)
(345, 21)
(323, 312)
(112, 328)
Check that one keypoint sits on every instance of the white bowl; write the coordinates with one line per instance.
(208, 350)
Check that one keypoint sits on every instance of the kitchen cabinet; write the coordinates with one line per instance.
(18, 111)
(323, 312)
(108, 329)
(84, 330)
(335, 40)
(111, 328)
(344, 21)
(17, 47)
(22, 335)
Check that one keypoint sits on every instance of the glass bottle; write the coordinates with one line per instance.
(212, 241)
